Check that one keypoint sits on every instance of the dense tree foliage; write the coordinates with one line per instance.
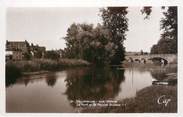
(164, 46)
(147, 11)
(168, 41)
(38, 54)
(169, 23)
(102, 44)
(51, 54)
(86, 42)
(114, 19)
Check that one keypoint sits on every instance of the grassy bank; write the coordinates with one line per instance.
(144, 102)
(46, 64)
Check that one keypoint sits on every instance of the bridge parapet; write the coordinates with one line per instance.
(171, 58)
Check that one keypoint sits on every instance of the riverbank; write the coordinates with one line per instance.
(15, 69)
(146, 101)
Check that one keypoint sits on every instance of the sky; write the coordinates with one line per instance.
(47, 26)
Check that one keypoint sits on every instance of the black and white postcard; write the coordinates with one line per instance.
(94, 59)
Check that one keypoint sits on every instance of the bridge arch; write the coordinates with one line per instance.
(143, 60)
(137, 60)
(159, 60)
(130, 59)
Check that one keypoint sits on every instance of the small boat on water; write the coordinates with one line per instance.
(159, 83)
(165, 82)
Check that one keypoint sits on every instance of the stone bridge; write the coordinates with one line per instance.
(151, 58)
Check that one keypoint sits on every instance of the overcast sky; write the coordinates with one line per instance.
(47, 26)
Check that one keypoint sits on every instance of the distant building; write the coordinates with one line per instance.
(18, 55)
(17, 46)
(15, 50)
(20, 50)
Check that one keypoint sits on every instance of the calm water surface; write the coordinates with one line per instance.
(54, 91)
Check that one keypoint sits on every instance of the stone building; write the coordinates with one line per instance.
(17, 46)
(21, 50)
(17, 49)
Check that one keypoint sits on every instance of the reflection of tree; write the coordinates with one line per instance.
(26, 81)
(51, 79)
(10, 81)
(93, 84)
(12, 74)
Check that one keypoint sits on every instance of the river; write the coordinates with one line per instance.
(55, 91)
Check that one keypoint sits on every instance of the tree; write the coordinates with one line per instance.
(77, 39)
(168, 40)
(71, 41)
(154, 49)
(38, 54)
(169, 23)
(101, 49)
(27, 56)
(114, 19)
(169, 27)
(51, 54)
(86, 42)
(141, 52)
(164, 46)
(147, 11)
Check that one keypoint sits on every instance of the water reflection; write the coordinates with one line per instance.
(135, 80)
(93, 84)
(51, 80)
(10, 81)
(160, 74)
(53, 91)
(26, 81)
